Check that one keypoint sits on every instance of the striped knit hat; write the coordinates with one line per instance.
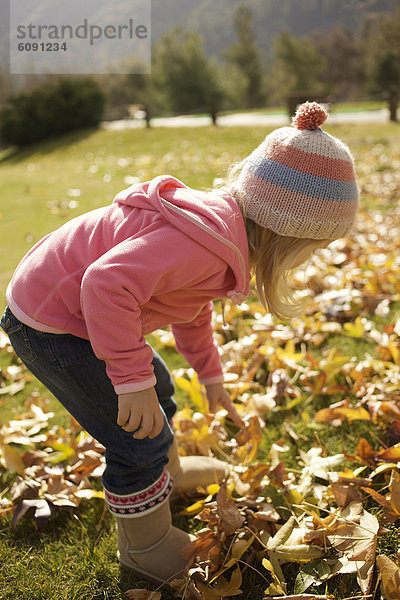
(300, 181)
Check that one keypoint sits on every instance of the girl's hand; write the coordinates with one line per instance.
(140, 412)
(218, 396)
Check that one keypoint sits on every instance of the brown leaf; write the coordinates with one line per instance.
(222, 588)
(201, 547)
(230, 515)
(249, 439)
(344, 494)
(142, 595)
(390, 575)
(394, 487)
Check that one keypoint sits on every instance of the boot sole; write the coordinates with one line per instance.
(135, 569)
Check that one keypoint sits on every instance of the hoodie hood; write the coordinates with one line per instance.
(212, 219)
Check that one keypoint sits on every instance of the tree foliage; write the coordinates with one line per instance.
(381, 44)
(182, 71)
(51, 110)
(343, 72)
(246, 55)
(298, 66)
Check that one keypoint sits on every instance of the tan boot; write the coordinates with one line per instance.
(189, 472)
(149, 545)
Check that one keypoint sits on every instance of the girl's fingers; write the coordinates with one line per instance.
(146, 427)
(227, 403)
(212, 405)
(158, 424)
(234, 415)
(133, 423)
(123, 416)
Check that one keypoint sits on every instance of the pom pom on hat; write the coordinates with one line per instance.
(300, 181)
(309, 115)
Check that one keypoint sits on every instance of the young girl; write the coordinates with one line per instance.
(83, 298)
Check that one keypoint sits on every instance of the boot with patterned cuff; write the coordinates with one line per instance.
(189, 472)
(148, 544)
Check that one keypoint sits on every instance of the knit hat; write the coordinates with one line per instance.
(300, 181)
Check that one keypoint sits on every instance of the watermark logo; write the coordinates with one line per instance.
(75, 37)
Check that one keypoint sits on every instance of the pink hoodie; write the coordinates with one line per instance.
(157, 256)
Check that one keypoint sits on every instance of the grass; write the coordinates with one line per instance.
(366, 105)
(74, 557)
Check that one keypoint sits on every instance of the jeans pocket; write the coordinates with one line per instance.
(17, 332)
(10, 323)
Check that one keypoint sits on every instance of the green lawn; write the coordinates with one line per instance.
(43, 186)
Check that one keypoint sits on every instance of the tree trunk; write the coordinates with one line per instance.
(393, 103)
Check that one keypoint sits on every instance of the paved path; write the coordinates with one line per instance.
(247, 119)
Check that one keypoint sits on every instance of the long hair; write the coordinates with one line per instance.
(272, 257)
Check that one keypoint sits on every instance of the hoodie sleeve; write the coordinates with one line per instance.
(112, 291)
(130, 275)
(196, 342)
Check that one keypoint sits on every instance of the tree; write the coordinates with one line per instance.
(246, 55)
(298, 67)
(343, 75)
(51, 110)
(182, 71)
(381, 43)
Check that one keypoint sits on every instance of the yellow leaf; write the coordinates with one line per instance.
(222, 587)
(288, 354)
(394, 487)
(340, 413)
(212, 489)
(10, 459)
(394, 351)
(332, 364)
(88, 494)
(294, 497)
(193, 509)
(355, 329)
(193, 388)
(278, 586)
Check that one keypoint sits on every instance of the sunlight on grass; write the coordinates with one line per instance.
(42, 187)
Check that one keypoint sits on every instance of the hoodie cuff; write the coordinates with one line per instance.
(127, 388)
(210, 380)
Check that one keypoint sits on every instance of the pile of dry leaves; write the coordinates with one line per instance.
(325, 514)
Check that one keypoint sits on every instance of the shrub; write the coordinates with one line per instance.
(51, 110)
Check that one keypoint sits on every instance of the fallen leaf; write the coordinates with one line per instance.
(390, 575)
(230, 515)
(222, 588)
(355, 535)
(42, 511)
(10, 459)
(142, 595)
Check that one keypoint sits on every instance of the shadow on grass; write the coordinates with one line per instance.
(13, 155)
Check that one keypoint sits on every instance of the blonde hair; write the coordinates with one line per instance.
(272, 257)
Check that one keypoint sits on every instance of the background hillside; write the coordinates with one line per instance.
(214, 20)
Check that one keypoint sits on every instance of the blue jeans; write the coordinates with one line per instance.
(68, 367)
